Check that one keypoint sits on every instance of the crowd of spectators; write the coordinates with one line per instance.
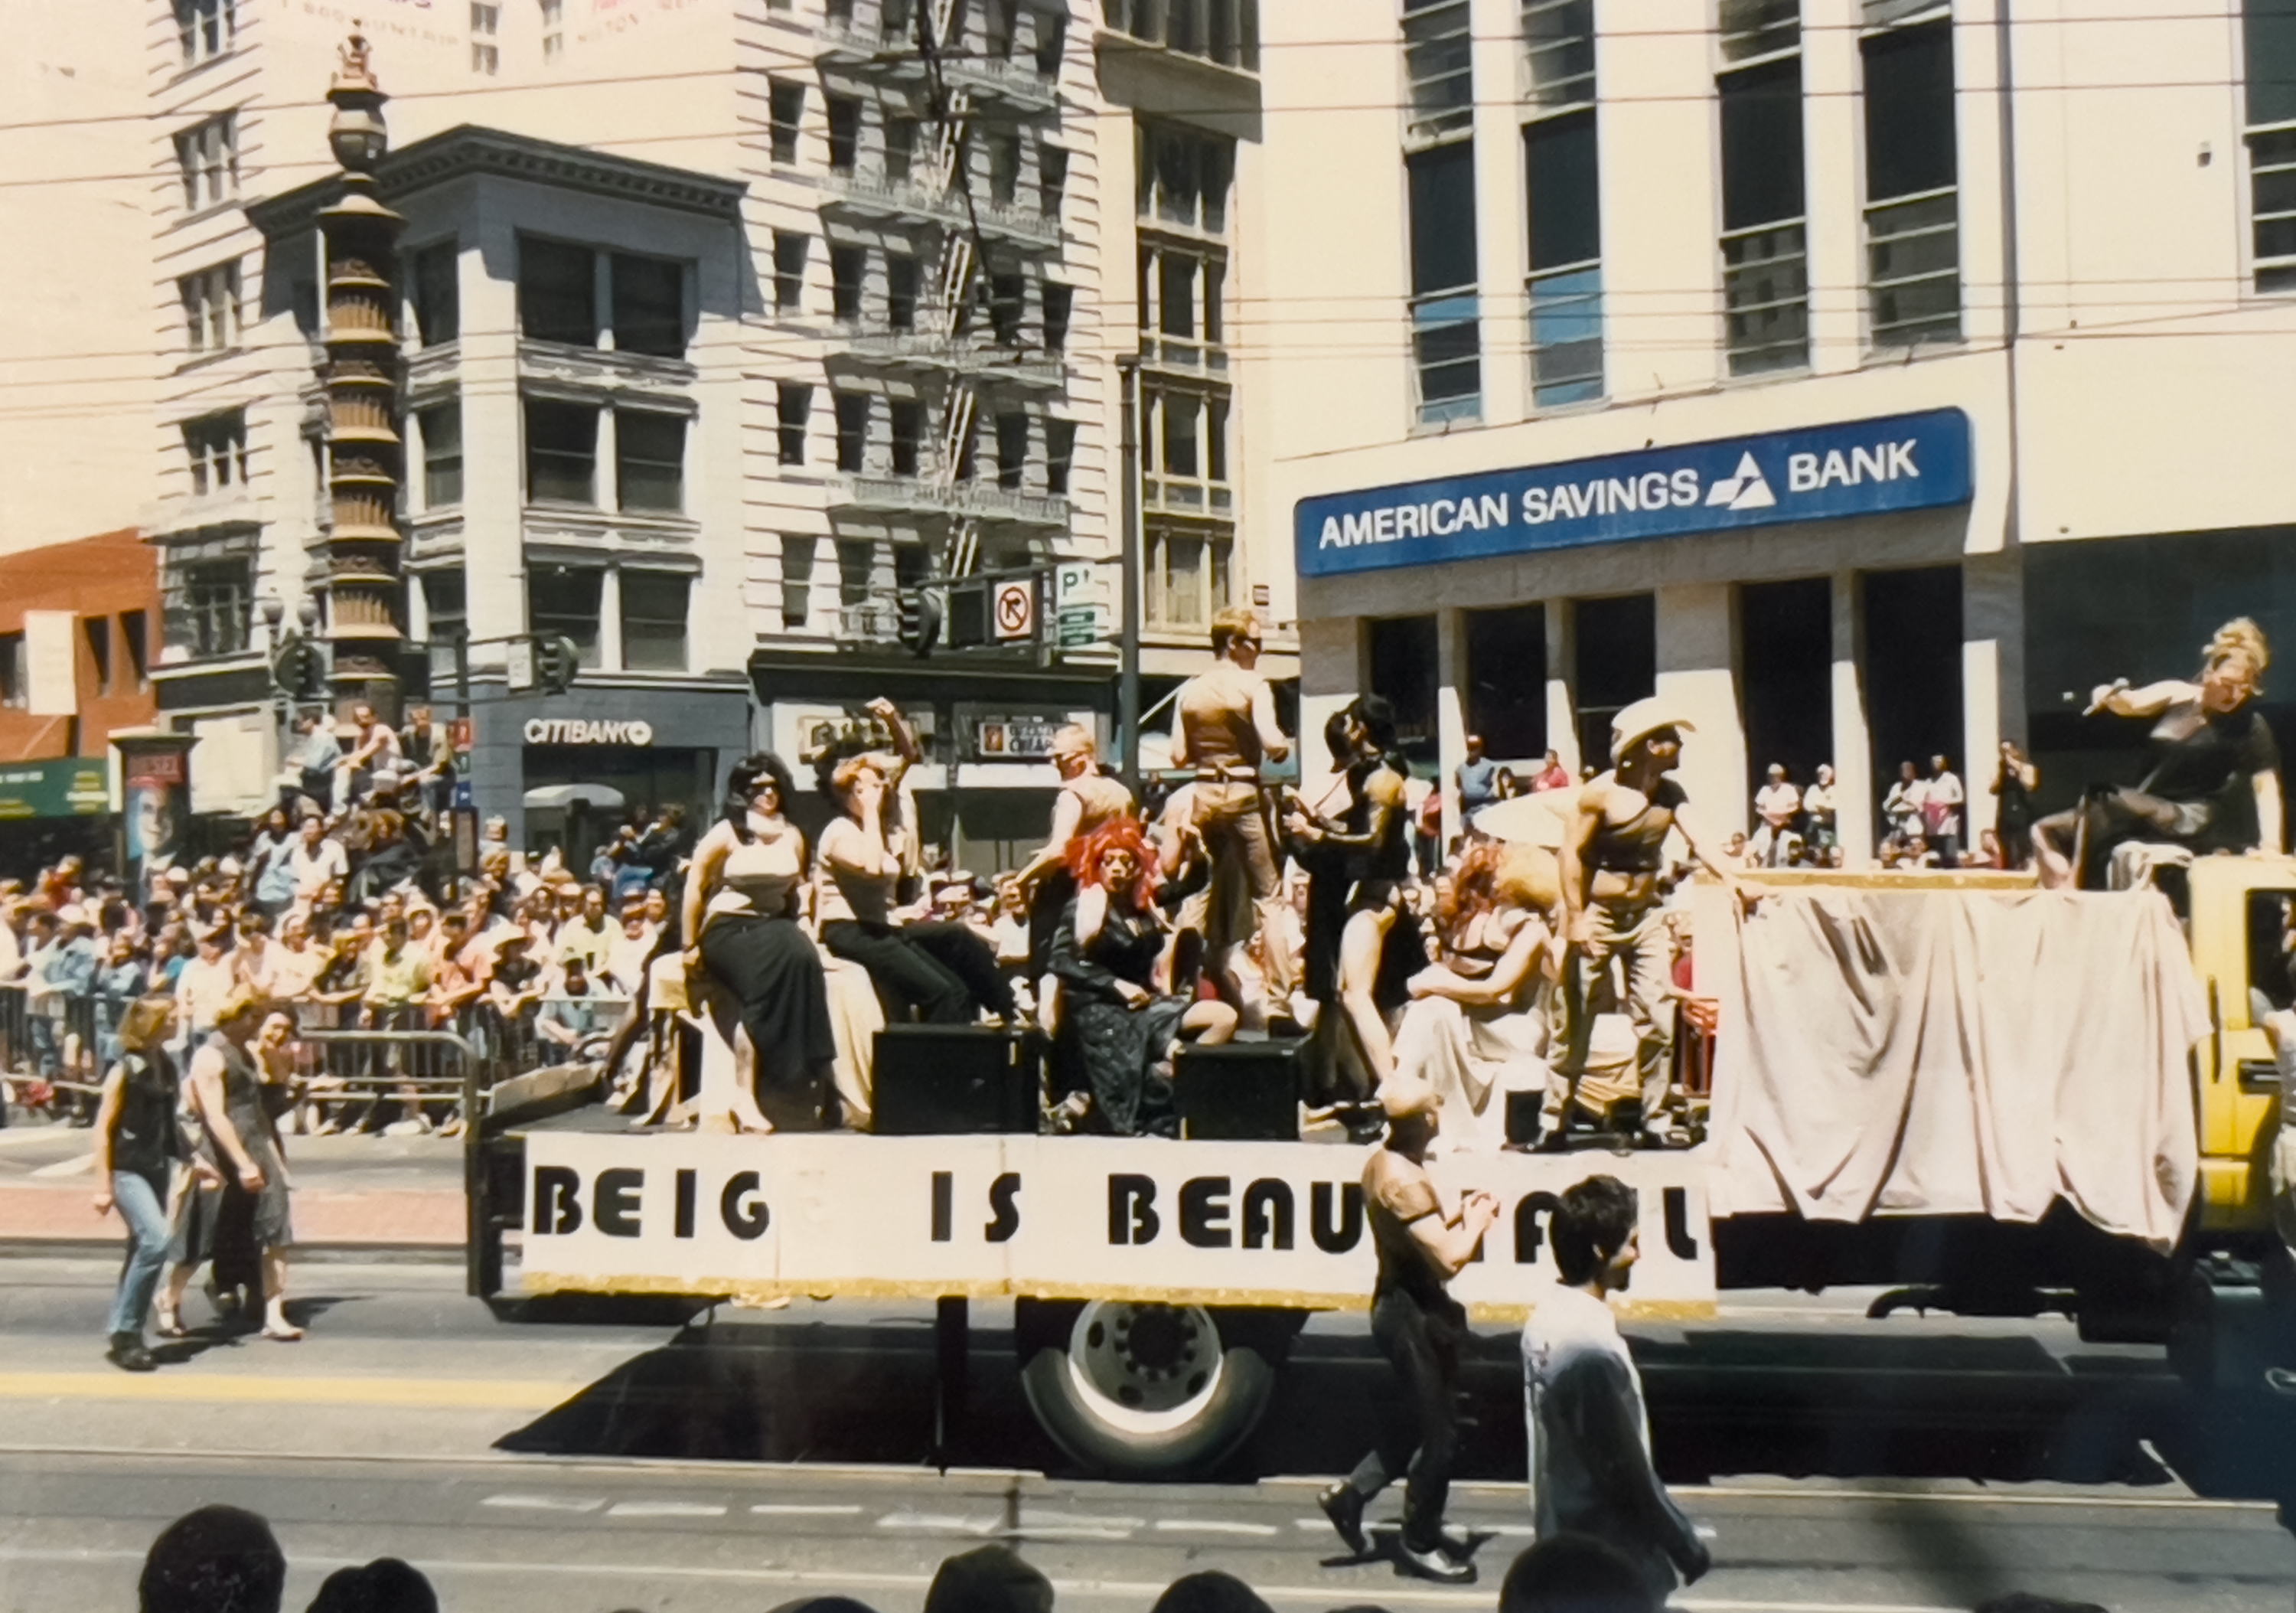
(350, 917)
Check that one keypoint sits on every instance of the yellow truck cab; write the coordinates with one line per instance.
(2240, 916)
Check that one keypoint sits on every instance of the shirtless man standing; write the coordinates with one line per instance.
(1226, 728)
(1613, 852)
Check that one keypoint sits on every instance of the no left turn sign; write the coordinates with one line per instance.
(1015, 605)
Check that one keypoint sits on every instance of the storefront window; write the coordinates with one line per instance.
(653, 620)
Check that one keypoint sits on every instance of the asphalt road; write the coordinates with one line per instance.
(757, 1458)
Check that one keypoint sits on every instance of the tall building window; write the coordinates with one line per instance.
(901, 291)
(1189, 576)
(1558, 40)
(789, 271)
(844, 114)
(211, 308)
(562, 452)
(13, 692)
(1566, 259)
(207, 156)
(1765, 249)
(446, 605)
(848, 266)
(650, 461)
(1008, 301)
(441, 426)
(135, 639)
(97, 631)
(215, 446)
(785, 108)
(648, 306)
(554, 31)
(207, 605)
(1183, 295)
(1012, 449)
(794, 401)
(486, 26)
(206, 29)
(907, 420)
(1226, 31)
(1052, 180)
(2269, 29)
(1186, 458)
(1004, 166)
(653, 619)
(1439, 49)
(1912, 233)
(438, 294)
(1052, 42)
(1060, 455)
(857, 571)
(797, 580)
(901, 133)
(1446, 334)
(1059, 307)
(852, 410)
(557, 291)
(564, 600)
(1185, 178)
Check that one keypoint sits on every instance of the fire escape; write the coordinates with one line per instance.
(960, 339)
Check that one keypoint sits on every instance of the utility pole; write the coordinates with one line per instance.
(1128, 677)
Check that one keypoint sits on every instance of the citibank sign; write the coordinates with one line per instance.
(563, 730)
(1865, 468)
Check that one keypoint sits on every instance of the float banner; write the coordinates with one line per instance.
(1867, 467)
(1212, 1224)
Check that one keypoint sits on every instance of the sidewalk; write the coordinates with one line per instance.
(350, 1192)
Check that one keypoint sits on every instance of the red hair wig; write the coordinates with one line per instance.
(1123, 834)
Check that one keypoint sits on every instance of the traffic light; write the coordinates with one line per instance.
(299, 669)
(557, 660)
(920, 626)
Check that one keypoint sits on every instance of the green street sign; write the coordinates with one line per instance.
(74, 787)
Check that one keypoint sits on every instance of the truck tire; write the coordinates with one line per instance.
(1146, 1391)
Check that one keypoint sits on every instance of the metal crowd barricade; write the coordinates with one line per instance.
(379, 1056)
(64, 1050)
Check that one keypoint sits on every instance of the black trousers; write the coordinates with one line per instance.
(1422, 1342)
(773, 971)
(943, 971)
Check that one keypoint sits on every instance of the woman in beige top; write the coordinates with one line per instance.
(946, 973)
(739, 914)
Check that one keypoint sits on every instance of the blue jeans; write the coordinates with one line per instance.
(143, 1202)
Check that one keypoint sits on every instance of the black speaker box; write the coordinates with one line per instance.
(1241, 1092)
(935, 1079)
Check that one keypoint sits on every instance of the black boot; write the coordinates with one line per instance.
(130, 1355)
(1344, 1507)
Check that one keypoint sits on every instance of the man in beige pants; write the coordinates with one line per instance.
(1226, 729)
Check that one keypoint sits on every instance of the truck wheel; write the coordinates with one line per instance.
(1147, 1391)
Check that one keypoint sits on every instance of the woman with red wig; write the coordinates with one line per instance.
(1105, 952)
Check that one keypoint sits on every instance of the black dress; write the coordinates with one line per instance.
(1119, 1046)
(2014, 819)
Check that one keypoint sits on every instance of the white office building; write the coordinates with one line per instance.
(722, 325)
(1869, 377)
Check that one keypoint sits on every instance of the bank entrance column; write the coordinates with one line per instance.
(1853, 745)
(1697, 673)
(1561, 689)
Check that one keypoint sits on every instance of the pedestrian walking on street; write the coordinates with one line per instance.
(1590, 1459)
(1419, 1328)
(136, 1145)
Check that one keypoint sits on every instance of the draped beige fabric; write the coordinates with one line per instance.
(1958, 1051)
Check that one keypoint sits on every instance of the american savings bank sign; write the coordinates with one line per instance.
(1866, 467)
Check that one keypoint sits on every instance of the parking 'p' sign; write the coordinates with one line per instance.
(1015, 606)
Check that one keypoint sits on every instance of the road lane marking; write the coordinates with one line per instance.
(544, 1503)
(667, 1508)
(939, 1523)
(1210, 1525)
(183, 1385)
(797, 1508)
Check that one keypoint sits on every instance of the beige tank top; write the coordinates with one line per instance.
(1214, 711)
(758, 875)
(1098, 799)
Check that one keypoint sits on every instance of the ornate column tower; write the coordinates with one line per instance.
(366, 595)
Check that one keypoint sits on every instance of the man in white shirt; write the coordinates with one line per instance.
(1590, 1462)
(1817, 806)
(373, 750)
(1941, 813)
(1902, 806)
(1778, 803)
